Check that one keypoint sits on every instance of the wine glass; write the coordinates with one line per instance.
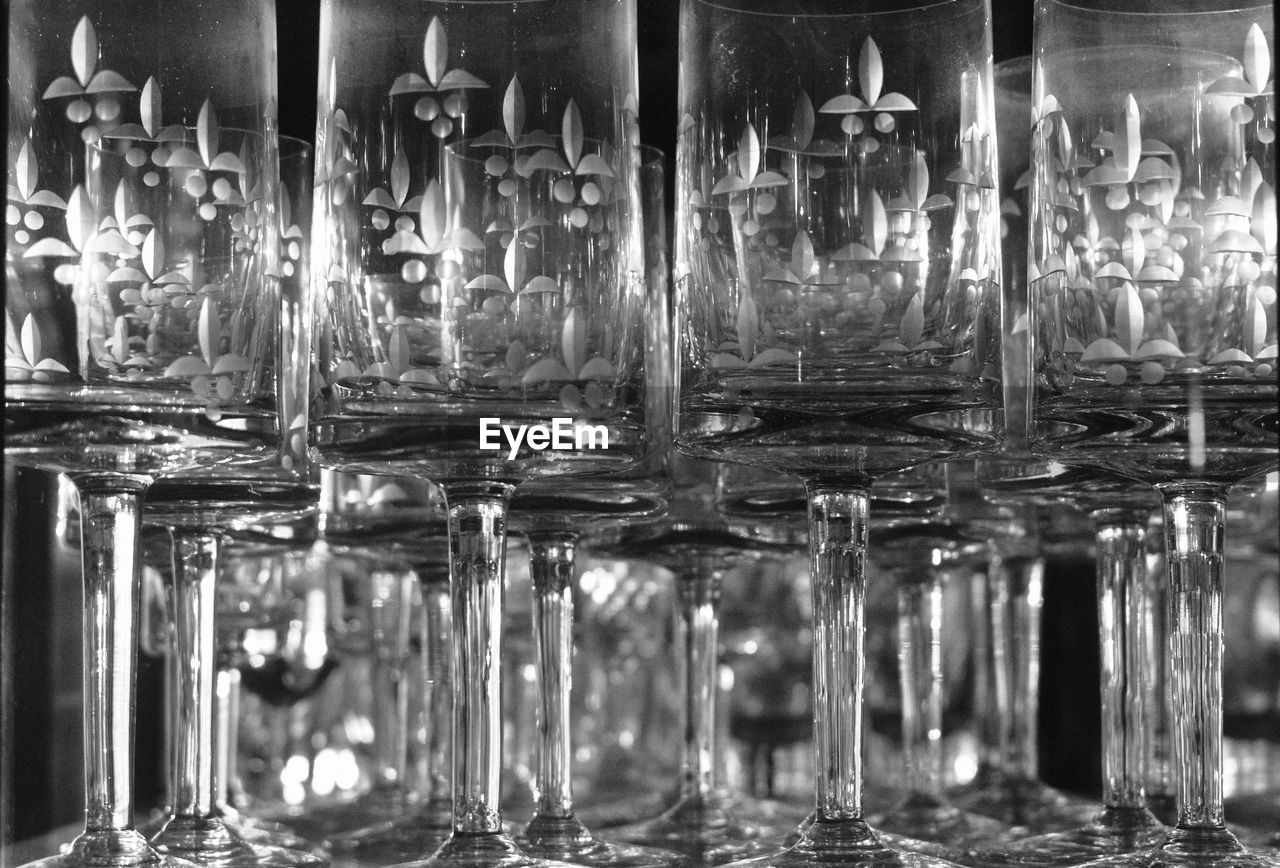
(1007, 785)
(705, 824)
(553, 518)
(479, 293)
(139, 338)
(1152, 303)
(838, 244)
(400, 518)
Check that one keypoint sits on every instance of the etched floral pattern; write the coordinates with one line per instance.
(1149, 258)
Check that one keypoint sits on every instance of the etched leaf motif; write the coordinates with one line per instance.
(207, 132)
(1257, 58)
(84, 50)
(918, 180)
(571, 131)
(1136, 251)
(208, 329)
(120, 204)
(870, 71)
(79, 218)
(431, 218)
(875, 224)
(31, 339)
(748, 153)
(1130, 318)
(911, 329)
(1263, 222)
(748, 325)
(435, 51)
(1066, 147)
(399, 177)
(573, 341)
(513, 109)
(513, 264)
(802, 121)
(120, 340)
(1129, 139)
(150, 107)
(153, 255)
(802, 256)
(398, 351)
(1255, 326)
(27, 171)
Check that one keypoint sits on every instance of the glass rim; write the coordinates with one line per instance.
(916, 7)
(1075, 6)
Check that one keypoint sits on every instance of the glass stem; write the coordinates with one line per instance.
(838, 525)
(1015, 584)
(1160, 787)
(477, 559)
(110, 521)
(920, 671)
(1193, 525)
(437, 686)
(551, 565)
(699, 638)
(984, 692)
(389, 609)
(1121, 537)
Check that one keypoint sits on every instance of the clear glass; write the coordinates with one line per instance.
(136, 213)
(478, 197)
(838, 292)
(1152, 266)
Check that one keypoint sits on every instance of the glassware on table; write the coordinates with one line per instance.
(480, 266)
(401, 518)
(1007, 785)
(706, 824)
(1152, 310)
(136, 276)
(838, 249)
(553, 518)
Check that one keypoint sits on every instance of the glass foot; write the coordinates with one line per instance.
(844, 843)
(124, 848)
(925, 818)
(326, 821)
(210, 842)
(623, 812)
(1112, 832)
(566, 839)
(407, 839)
(704, 832)
(1188, 847)
(1026, 802)
(484, 850)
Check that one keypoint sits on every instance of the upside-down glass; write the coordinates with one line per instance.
(139, 316)
(838, 248)
(478, 264)
(1153, 232)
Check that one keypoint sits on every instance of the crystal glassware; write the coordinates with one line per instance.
(1152, 305)
(839, 263)
(140, 327)
(478, 279)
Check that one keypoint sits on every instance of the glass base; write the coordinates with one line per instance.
(210, 842)
(483, 850)
(245, 828)
(119, 848)
(837, 843)
(623, 812)
(703, 831)
(927, 818)
(1025, 802)
(1190, 847)
(1113, 832)
(327, 821)
(410, 838)
(566, 839)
